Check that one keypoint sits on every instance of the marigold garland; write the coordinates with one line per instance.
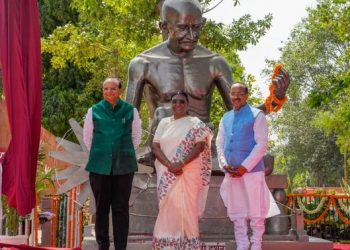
(322, 216)
(332, 201)
(344, 207)
(316, 210)
(342, 217)
(272, 97)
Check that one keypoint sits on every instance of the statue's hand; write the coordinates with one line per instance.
(281, 83)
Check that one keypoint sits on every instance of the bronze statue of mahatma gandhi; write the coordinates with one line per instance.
(179, 63)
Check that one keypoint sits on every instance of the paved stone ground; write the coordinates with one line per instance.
(270, 242)
(313, 244)
(90, 244)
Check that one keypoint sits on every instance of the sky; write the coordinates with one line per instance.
(286, 14)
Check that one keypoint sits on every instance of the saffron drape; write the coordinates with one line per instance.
(20, 60)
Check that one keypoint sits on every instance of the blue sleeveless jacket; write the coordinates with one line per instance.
(239, 136)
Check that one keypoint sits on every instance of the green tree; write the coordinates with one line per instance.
(336, 121)
(61, 87)
(304, 151)
(317, 57)
(334, 117)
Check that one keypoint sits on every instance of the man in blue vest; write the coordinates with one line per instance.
(241, 144)
(112, 131)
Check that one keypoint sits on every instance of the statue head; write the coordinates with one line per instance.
(182, 21)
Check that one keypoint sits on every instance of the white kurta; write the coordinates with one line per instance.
(247, 196)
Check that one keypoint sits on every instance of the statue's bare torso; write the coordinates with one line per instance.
(158, 74)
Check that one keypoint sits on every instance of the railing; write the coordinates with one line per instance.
(15, 228)
(22, 233)
(325, 216)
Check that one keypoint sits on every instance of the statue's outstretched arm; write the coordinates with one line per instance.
(222, 78)
(136, 77)
(280, 83)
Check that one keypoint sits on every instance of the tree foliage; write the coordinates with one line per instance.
(314, 127)
(334, 117)
(61, 86)
(336, 120)
(304, 150)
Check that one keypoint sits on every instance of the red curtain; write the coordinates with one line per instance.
(20, 60)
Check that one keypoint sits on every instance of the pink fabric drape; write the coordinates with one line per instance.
(20, 59)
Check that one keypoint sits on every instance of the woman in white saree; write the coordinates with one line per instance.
(183, 162)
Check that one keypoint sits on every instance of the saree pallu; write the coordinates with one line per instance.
(181, 198)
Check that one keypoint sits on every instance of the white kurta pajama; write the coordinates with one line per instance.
(247, 197)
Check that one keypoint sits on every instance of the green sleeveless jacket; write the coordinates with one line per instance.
(112, 150)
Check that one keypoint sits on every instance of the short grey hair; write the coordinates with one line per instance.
(114, 80)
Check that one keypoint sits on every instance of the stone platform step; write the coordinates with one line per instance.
(313, 244)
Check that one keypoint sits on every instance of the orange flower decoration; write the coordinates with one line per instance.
(272, 103)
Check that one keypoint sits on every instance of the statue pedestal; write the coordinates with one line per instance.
(215, 223)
